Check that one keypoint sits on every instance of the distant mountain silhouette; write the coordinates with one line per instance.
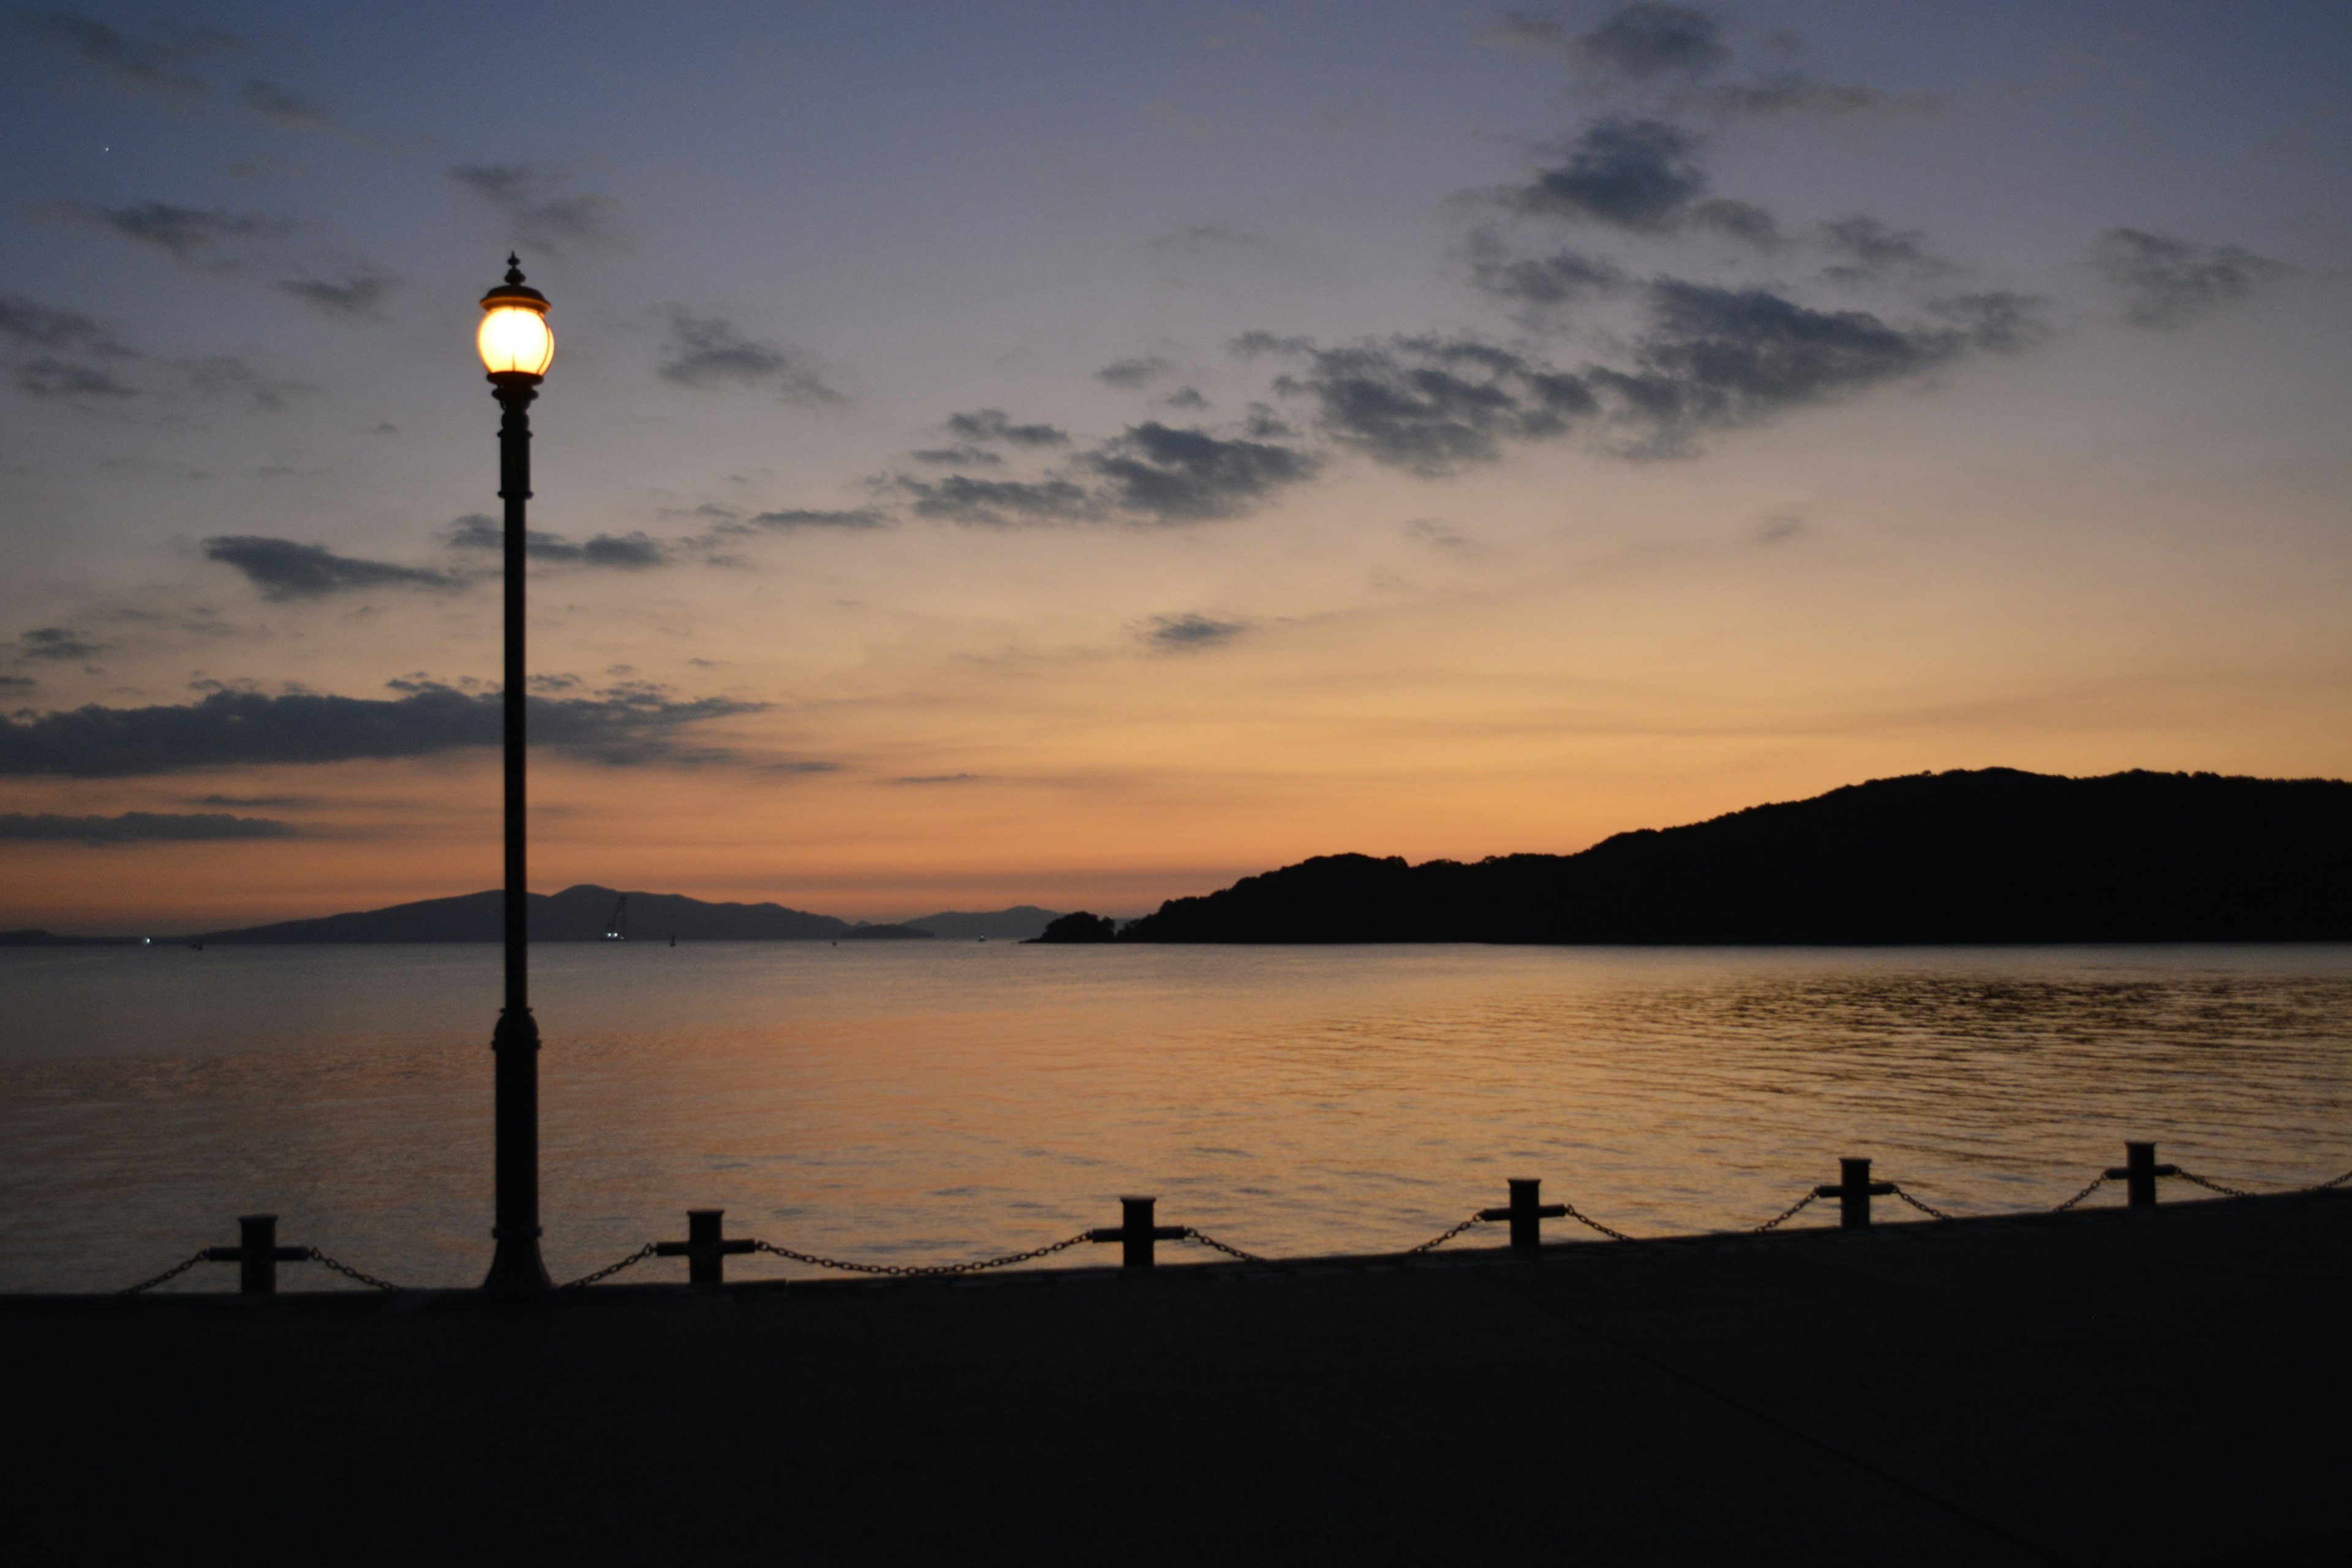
(1991, 855)
(1019, 923)
(34, 936)
(575, 914)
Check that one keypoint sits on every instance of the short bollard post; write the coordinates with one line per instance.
(704, 1252)
(1526, 1214)
(1854, 1190)
(256, 1254)
(2139, 1174)
(1136, 1232)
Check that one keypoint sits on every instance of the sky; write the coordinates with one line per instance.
(1080, 455)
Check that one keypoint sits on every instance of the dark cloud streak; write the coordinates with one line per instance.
(284, 569)
(627, 726)
(707, 352)
(538, 211)
(141, 827)
(2169, 282)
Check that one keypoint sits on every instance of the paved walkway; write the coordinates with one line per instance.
(2109, 1387)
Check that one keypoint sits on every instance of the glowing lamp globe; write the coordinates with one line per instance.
(514, 338)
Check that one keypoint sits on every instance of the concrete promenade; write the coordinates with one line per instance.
(2165, 1387)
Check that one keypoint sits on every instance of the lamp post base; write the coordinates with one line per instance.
(516, 1267)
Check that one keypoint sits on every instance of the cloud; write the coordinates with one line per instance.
(626, 726)
(1538, 286)
(223, 375)
(1434, 531)
(1187, 631)
(1185, 397)
(537, 212)
(706, 352)
(1132, 372)
(1646, 40)
(1000, 504)
(800, 518)
(43, 326)
(190, 235)
(1707, 358)
(155, 62)
(995, 424)
(936, 779)
(1873, 250)
(1743, 221)
(2168, 282)
(959, 457)
(253, 802)
(72, 353)
(283, 569)
(1714, 358)
(1200, 238)
(57, 643)
(1630, 174)
(1432, 405)
(1190, 476)
(632, 552)
(141, 827)
(1794, 95)
(283, 105)
(17, 683)
(350, 298)
(49, 376)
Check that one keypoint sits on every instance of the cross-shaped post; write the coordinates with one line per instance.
(704, 1252)
(1138, 1232)
(1854, 1190)
(258, 1254)
(1526, 1214)
(2139, 1174)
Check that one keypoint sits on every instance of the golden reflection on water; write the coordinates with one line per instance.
(928, 1102)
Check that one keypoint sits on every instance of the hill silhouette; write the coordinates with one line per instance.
(575, 914)
(1989, 856)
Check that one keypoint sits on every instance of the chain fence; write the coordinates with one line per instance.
(1439, 1240)
(1205, 1239)
(631, 1261)
(1786, 1214)
(924, 1270)
(310, 1255)
(2097, 1182)
(172, 1273)
(1927, 1209)
(348, 1272)
(1200, 1237)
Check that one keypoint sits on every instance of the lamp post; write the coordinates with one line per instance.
(516, 347)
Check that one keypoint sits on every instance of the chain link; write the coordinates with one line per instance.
(631, 1261)
(1586, 1220)
(921, 1271)
(1785, 1215)
(348, 1272)
(2097, 1182)
(172, 1273)
(1210, 1241)
(2209, 1186)
(1435, 1242)
(2213, 1186)
(1930, 1211)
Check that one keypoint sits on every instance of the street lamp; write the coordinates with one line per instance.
(516, 347)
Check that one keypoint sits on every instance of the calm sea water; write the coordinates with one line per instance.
(934, 1101)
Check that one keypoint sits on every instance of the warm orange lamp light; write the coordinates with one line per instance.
(514, 338)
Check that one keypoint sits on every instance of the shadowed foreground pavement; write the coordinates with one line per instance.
(2152, 1387)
